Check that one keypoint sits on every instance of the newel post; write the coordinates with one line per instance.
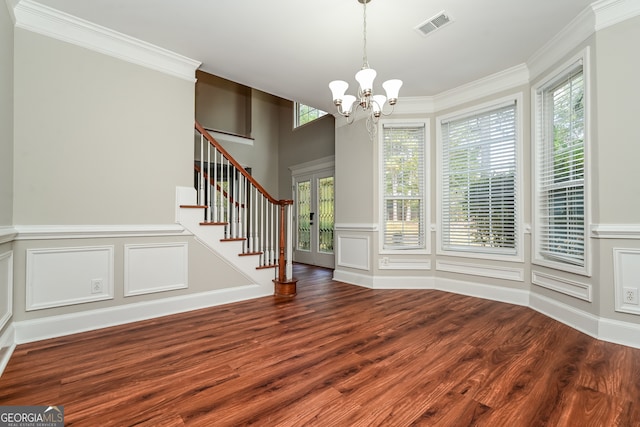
(285, 285)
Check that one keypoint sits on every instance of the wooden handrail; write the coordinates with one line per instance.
(238, 166)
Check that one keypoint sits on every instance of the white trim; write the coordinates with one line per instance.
(577, 31)
(7, 346)
(313, 166)
(415, 105)
(615, 231)
(615, 331)
(66, 324)
(386, 263)
(484, 291)
(45, 232)
(403, 282)
(611, 12)
(495, 83)
(151, 271)
(7, 234)
(49, 272)
(625, 278)
(351, 260)
(355, 227)
(572, 288)
(33, 16)
(563, 313)
(227, 137)
(493, 271)
(353, 278)
(8, 281)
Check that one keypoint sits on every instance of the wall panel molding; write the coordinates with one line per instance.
(65, 276)
(615, 231)
(353, 252)
(150, 268)
(493, 271)
(57, 232)
(6, 288)
(572, 288)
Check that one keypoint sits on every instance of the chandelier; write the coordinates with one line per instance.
(373, 105)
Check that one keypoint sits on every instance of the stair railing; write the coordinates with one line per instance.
(235, 200)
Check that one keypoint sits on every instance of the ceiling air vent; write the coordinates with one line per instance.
(433, 23)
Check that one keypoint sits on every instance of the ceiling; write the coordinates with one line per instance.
(293, 48)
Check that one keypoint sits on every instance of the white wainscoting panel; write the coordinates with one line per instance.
(562, 285)
(157, 267)
(6, 288)
(66, 276)
(493, 271)
(626, 276)
(353, 252)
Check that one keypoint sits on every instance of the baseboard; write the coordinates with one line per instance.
(7, 345)
(353, 278)
(479, 290)
(618, 332)
(57, 326)
(563, 313)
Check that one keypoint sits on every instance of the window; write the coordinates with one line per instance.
(560, 170)
(304, 114)
(403, 185)
(478, 181)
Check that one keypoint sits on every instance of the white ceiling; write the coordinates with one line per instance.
(293, 48)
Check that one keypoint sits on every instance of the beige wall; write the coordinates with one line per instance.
(6, 117)
(223, 105)
(313, 141)
(618, 94)
(97, 140)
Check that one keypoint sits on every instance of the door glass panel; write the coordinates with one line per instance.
(304, 209)
(325, 215)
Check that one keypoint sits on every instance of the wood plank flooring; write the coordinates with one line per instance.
(336, 355)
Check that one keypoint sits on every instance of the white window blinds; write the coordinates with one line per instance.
(479, 182)
(560, 227)
(403, 164)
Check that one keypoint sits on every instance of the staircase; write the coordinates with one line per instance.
(231, 213)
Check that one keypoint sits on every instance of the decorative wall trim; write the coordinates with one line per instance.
(353, 252)
(355, 227)
(33, 16)
(7, 346)
(56, 326)
(353, 278)
(7, 234)
(626, 274)
(577, 31)
(65, 276)
(6, 288)
(559, 284)
(487, 86)
(312, 166)
(386, 263)
(624, 333)
(479, 290)
(150, 268)
(570, 316)
(493, 271)
(403, 282)
(611, 12)
(615, 231)
(46, 232)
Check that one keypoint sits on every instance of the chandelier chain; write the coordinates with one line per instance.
(365, 61)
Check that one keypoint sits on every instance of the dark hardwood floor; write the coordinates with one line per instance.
(336, 355)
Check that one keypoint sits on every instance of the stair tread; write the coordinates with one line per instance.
(213, 223)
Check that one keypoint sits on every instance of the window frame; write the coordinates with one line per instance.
(539, 131)
(296, 114)
(520, 227)
(426, 197)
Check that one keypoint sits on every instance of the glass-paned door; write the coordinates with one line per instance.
(314, 219)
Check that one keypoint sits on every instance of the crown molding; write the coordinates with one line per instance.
(611, 12)
(35, 17)
(487, 86)
(577, 31)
